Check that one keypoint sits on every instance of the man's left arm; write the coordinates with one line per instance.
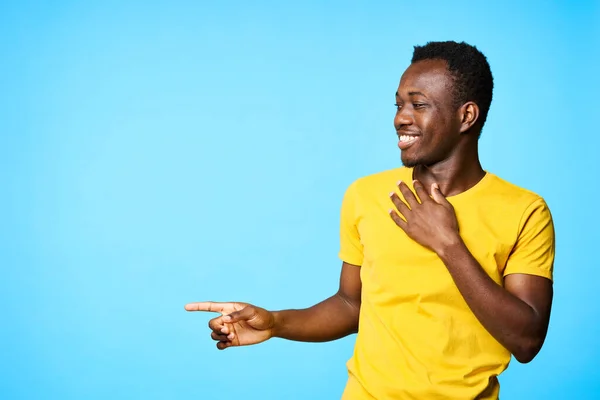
(517, 315)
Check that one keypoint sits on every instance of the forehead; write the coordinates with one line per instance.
(430, 77)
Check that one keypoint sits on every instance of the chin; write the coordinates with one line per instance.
(410, 162)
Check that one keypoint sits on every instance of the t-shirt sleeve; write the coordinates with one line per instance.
(533, 253)
(351, 248)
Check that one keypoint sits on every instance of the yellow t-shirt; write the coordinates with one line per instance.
(417, 338)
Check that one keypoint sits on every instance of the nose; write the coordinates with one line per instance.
(403, 117)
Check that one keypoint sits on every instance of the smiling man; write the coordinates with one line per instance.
(446, 268)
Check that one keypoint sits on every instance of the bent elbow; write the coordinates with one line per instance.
(524, 358)
(527, 352)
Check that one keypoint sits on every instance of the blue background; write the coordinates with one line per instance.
(157, 153)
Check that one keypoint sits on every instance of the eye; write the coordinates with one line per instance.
(398, 106)
(418, 106)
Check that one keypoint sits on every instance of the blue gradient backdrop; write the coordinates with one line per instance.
(157, 153)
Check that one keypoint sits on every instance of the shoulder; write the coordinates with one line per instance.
(516, 200)
(510, 193)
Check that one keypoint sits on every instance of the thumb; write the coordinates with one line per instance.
(244, 314)
(437, 195)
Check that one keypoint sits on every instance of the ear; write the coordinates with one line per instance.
(469, 113)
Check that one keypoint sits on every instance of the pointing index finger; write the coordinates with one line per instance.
(209, 306)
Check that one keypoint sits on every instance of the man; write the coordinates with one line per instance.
(443, 278)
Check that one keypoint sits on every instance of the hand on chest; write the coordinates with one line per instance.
(394, 261)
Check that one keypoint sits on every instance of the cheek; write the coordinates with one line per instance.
(440, 126)
(436, 134)
(428, 122)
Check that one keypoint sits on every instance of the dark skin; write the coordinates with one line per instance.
(445, 156)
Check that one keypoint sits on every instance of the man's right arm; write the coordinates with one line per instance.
(331, 319)
(242, 324)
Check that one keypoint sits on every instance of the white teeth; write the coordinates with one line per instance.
(406, 138)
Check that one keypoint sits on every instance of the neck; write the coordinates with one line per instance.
(454, 175)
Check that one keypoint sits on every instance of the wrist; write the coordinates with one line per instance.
(277, 323)
(449, 245)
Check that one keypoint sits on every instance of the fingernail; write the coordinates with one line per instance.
(223, 330)
(230, 336)
(391, 194)
(398, 183)
(227, 318)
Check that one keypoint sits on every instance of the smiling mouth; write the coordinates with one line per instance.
(406, 141)
(407, 138)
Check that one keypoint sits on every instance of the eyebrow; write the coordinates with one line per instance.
(413, 94)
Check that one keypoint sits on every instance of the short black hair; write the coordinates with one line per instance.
(470, 69)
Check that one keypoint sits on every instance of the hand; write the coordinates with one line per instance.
(430, 222)
(240, 324)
